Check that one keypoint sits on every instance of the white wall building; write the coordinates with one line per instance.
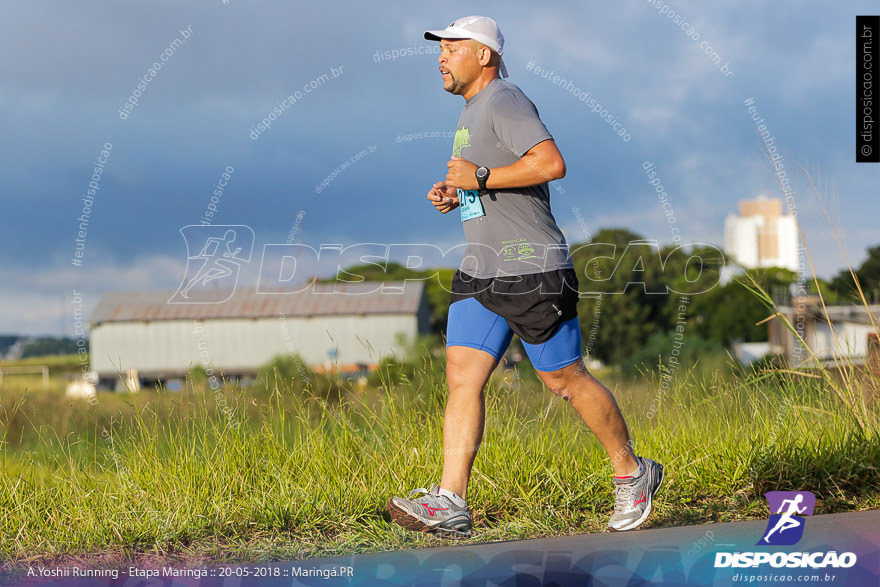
(830, 332)
(761, 236)
(329, 325)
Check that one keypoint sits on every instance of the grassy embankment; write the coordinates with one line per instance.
(295, 470)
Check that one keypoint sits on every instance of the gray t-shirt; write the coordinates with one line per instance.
(509, 231)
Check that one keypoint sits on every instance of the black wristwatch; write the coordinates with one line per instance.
(482, 174)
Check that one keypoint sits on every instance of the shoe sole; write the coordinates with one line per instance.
(638, 522)
(406, 520)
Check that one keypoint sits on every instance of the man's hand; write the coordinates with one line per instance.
(443, 196)
(461, 174)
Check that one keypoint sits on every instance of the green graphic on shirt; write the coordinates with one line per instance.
(517, 249)
(525, 249)
(462, 139)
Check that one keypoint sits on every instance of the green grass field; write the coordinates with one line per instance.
(282, 473)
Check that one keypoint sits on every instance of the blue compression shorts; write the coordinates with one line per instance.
(470, 324)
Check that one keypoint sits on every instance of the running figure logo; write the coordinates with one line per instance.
(786, 525)
(212, 273)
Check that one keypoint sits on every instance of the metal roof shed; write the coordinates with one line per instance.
(341, 324)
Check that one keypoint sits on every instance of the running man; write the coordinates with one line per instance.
(787, 520)
(516, 277)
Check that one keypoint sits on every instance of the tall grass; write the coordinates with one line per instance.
(286, 472)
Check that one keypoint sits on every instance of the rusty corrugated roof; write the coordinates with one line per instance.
(318, 300)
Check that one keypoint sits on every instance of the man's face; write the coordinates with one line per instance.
(459, 64)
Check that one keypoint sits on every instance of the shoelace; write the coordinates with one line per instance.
(624, 494)
(418, 490)
(432, 498)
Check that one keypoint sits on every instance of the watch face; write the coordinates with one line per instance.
(482, 172)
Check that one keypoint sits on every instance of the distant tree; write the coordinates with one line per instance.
(45, 346)
(635, 287)
(658, 349)
(731, 312)
(197, 374)
(390, 271)
(7, 341)
(439, 291)
(728, 313)
(438, 284)
(829, 293)
(289, 371)
(620, 316)
(692, 273)
(868, 274)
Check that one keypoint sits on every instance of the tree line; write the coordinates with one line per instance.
(633, 291)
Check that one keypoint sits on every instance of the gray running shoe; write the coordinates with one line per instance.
(632, 497)
(432, 513)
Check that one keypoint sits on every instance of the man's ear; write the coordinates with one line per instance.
(485, 55)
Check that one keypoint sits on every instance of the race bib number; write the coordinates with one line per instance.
(470, 205)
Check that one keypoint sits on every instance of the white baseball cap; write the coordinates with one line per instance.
(479, 28)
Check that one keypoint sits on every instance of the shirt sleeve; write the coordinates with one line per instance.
(516, 123)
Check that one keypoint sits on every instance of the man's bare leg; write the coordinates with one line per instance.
(599, 411)
(467, 371)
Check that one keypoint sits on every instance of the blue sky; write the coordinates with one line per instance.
(68, 68)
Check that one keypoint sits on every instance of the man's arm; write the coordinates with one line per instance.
(541, 163)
